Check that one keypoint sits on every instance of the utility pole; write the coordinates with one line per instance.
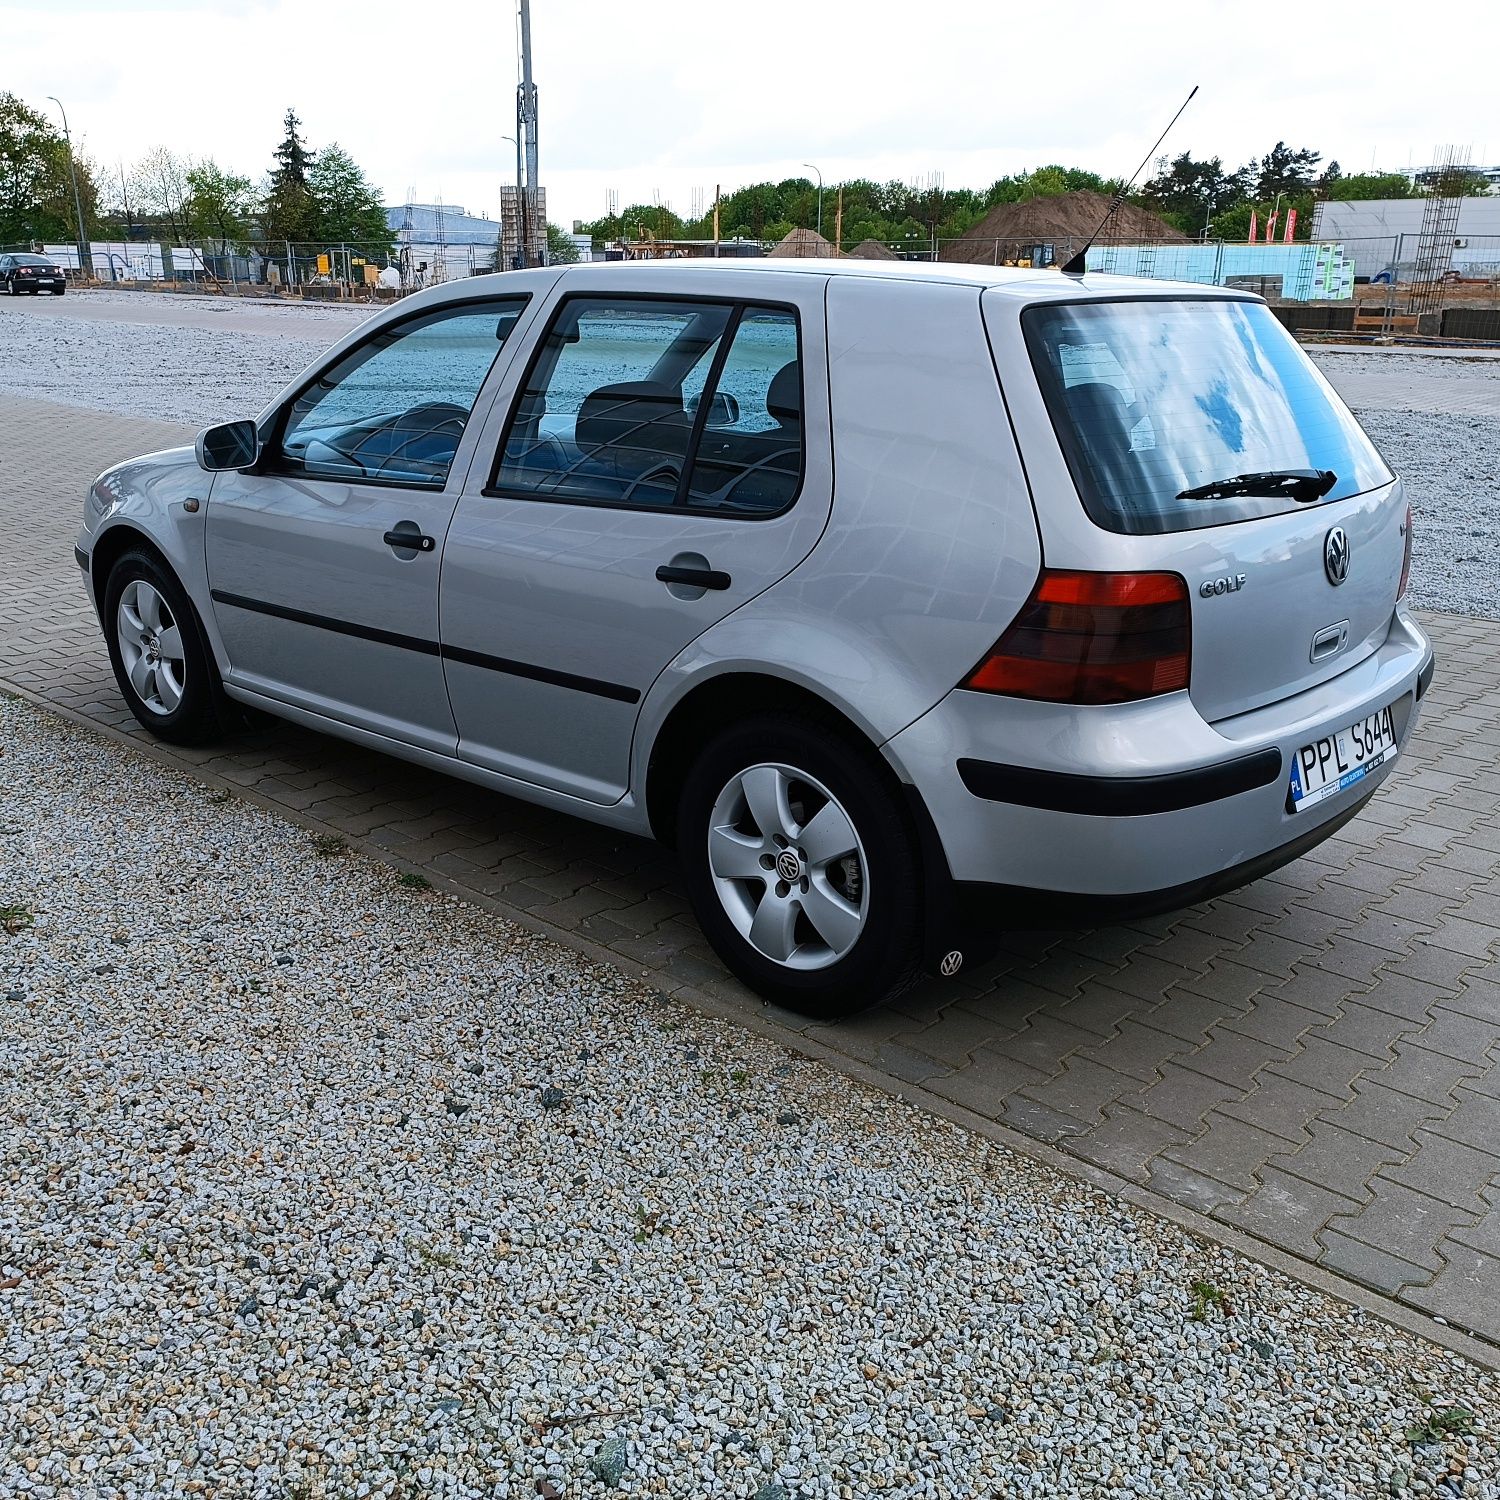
(526, 138)
(716, 220)
(85, 260)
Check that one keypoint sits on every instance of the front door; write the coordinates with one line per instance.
(664, 460)
(323, 560)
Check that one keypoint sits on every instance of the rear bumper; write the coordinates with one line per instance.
(1144, 806)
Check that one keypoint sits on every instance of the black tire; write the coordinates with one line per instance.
(202, 714)
(58, 291)
(884, 959)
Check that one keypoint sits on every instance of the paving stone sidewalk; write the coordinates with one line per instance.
(1314, 1060)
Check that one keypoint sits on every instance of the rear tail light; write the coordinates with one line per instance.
(1093, 638)
(1405, 559)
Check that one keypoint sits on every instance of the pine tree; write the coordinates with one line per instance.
(290, 212)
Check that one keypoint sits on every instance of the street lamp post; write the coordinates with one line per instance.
(812, 168)
(77, 201)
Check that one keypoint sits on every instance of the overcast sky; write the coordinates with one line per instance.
(661, 97)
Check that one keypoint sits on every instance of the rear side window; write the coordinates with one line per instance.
(657, 404)
(1152, 397)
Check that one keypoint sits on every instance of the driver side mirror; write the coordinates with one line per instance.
(230, 445)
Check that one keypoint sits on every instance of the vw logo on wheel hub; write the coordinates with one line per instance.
(788, 866)
(1336, 555)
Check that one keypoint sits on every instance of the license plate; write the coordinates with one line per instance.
(1338, 761)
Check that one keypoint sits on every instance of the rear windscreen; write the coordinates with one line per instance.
(1151, 397)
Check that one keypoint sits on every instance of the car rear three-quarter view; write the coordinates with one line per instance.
(910, 603)
(1214, 668)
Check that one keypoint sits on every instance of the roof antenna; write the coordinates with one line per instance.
(1076, 266)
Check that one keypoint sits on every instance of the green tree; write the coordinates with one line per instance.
(1282, 170)
(36, 196)
(561, 251)
(1190, 193)
(159, 181)
(219, 204)
(1364, 185)
(346, 207)
(289, 212)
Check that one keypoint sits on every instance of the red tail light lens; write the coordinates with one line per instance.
(1405, 560)
(1093, 638)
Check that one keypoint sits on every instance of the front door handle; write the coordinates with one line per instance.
(410, 541)
(695, 578)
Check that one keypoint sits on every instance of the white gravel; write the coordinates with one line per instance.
(286, 1210)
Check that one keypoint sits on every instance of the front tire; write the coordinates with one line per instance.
(801, 867)
(159, 652)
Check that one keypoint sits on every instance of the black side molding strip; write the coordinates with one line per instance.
(599, 688)
(1424, 678)
(594, 685)
(1119, 796)
(327, 622)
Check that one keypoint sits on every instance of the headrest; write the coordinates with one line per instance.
(632, 414)
(784, 396)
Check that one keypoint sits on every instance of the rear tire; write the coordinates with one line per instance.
(160, 653)
(58, 291)
(839, 932)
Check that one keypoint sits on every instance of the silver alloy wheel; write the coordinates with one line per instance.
(150, 647)
(788, 866)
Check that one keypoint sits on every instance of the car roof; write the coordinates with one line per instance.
(1017, 284)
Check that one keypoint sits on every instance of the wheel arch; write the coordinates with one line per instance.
(111, 546)
(708, 707)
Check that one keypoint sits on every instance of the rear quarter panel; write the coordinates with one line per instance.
(931, 545)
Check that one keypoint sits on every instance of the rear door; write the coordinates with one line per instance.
(1148, 397)
(663, 460)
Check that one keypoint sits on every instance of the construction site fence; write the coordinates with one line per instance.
(1347, 270)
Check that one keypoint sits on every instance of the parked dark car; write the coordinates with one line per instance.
(31, 273)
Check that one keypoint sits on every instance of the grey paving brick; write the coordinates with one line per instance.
(1340, 1160)
(1183, 1184)
(1402, 1222)
(1324, 1065)
(1369, 1265)
(1082, 1090)
(956, 1033)
(1426, 1075)
(1385, 1115)
(1127, 1141)
(1183, 1097)
(1474, 1122)
(1288, 1211)
(1234, 1058)
(1281, 1105)
(1229, 1150)
(985, 1083)
(1466, 1291)
(1136, 1050)
(1448, 1170)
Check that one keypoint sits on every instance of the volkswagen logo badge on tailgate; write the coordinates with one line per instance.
(1336, 555)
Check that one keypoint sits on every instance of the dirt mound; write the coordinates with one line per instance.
(1009, 231)
(872, 250)
(802, 243)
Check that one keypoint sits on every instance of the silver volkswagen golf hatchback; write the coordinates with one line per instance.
(910, 603)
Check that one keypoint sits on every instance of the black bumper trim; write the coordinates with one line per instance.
(1119, 796)
(1424, 678)
(984, 913)
(81, 558)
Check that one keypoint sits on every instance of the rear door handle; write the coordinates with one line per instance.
(410, 541)
(696, 578)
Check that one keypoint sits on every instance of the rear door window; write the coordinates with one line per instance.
(1153, 397)
(655, 404)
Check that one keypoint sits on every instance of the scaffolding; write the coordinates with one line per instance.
(1439, 230)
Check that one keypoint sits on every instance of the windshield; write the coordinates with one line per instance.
(1153, 397)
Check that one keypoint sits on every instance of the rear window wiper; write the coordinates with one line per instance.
(1302, 485)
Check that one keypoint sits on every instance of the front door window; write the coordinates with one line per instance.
(393, 409)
